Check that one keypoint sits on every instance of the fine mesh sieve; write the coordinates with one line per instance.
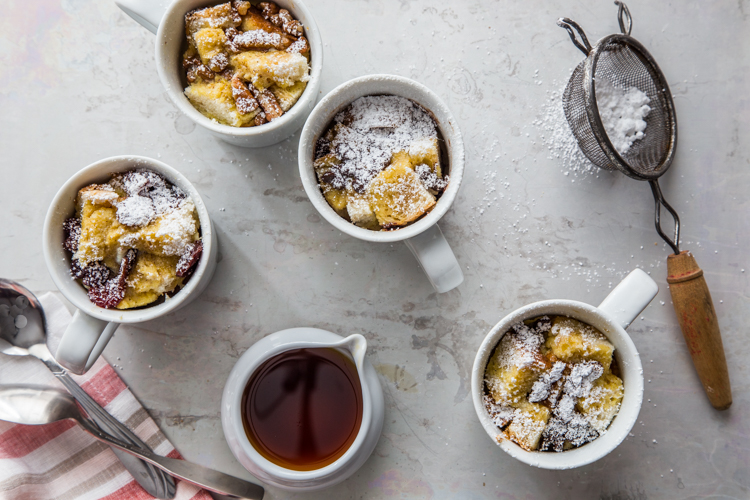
(624, 62)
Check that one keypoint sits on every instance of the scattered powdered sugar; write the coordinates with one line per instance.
(581, 377)
(372, 128)
(622, 112)
(542, 387)
(557, 136)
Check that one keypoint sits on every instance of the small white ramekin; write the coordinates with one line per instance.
(92, 326)
(423, 237)
(168, 23)
(611, 318)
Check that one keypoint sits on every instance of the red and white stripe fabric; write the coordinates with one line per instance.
(60, 461)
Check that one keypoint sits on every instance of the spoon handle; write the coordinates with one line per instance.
(206, 478)
(153, 480)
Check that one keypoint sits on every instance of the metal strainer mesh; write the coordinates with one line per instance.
(626, 64)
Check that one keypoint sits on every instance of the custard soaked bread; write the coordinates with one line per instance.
(246, 63)
(551, 384)
(133, 240)
(379, 163)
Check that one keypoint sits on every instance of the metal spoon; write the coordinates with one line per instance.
(23, 332)
(36, 405)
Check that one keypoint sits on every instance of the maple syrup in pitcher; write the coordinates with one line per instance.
(302, 409)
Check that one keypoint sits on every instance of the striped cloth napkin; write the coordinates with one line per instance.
(62, 462)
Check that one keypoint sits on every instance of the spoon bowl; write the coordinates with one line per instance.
(35, 405)
(23, 332)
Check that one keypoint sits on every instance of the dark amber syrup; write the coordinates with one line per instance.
(302, 409)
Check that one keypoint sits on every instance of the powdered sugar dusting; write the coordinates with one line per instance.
(372, 128)
(547, 416)
(136, 211)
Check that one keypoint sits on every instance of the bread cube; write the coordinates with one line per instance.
(336, 198)
(288, 96)
(214, 99)
(264, 69)
(96, 223)
(603, 402)
(426, 151)
(511, 373)
(526, 429)
(220, 16)
(398, 197)
(573, 341)
(360, 212)
(151, 276)
(401, 159)
(209, 42)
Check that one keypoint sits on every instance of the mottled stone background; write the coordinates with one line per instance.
(78, 83)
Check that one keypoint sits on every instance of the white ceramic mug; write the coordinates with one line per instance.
(373, 410)
(92, 326)
(167, 21)
(611, 318)
(423, 237)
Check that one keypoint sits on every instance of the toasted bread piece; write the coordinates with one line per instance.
(360, 212)
(264, 69)
(426, 151)
(603, 402)
(151, 276)
(529, 420)
(573, 341)
(336, 198)
(398, 197)
(401, 159)
(220, 16)
(97, 194)
(214, 99)
(512, 371)
(254, 20)
(288, 96)
(209, 42)
(95, 242)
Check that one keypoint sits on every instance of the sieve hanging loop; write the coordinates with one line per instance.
(570, 25)
(623, 18)
(659, 201)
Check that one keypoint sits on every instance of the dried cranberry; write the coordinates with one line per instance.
(72, 229)
(109, 293)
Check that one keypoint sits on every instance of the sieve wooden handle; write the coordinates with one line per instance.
(700, 327)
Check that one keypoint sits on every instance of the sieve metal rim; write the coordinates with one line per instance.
(592, 109)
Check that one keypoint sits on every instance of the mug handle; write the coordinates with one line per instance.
(147, 13)
(630, 297)
(83, 342)
(436, 258)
